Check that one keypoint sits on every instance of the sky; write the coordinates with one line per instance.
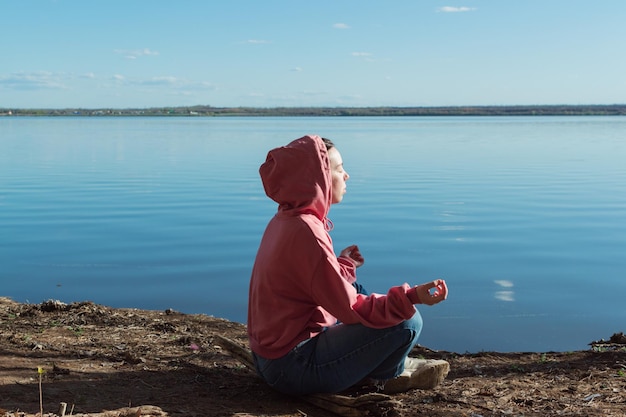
(293, 53)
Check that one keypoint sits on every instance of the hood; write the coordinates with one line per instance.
(297, 176)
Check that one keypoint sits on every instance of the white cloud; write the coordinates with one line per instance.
(166, 80)
(147, 51)
(308, 94)
(297, 69)
(71, 86)
(366, 56)
(341, 26)
(452, 9)
(257, 41)
(162, 82)
(33, 80)
(180, 84)
(504, 283)
(136, 53)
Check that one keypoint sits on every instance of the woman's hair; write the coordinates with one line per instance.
(329, 143)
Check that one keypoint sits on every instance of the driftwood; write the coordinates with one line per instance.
(616, 342)
(142, 411)
(372, 404)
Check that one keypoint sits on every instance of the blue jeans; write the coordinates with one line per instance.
(341, 356)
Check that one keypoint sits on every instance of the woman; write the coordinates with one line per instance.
(309, 328)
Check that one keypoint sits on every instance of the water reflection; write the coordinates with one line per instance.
(505, 295)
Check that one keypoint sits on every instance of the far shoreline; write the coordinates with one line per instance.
(382, 111)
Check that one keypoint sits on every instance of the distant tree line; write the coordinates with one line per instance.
(210, 111)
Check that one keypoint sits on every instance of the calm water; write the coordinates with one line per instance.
(524, 217)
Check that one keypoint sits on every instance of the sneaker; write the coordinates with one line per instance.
(418, 374)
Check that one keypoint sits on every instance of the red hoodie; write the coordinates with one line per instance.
(298, 285)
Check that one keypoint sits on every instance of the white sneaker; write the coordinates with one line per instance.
(418, 374)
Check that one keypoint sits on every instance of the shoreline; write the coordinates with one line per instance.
(382, 111)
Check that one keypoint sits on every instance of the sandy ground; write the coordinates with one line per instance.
(164, 363)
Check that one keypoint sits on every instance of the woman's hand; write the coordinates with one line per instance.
(353, 253)
(432, 292)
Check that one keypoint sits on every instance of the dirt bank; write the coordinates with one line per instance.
(98, 358)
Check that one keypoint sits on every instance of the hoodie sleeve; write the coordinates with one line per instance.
(347, 268)
(339, 298)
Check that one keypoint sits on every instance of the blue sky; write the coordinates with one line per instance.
(125, 53)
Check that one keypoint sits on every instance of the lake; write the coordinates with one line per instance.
(525, 217)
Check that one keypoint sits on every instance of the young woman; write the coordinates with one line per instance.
(312, 328)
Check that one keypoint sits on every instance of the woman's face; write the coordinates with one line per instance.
(339, 176)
